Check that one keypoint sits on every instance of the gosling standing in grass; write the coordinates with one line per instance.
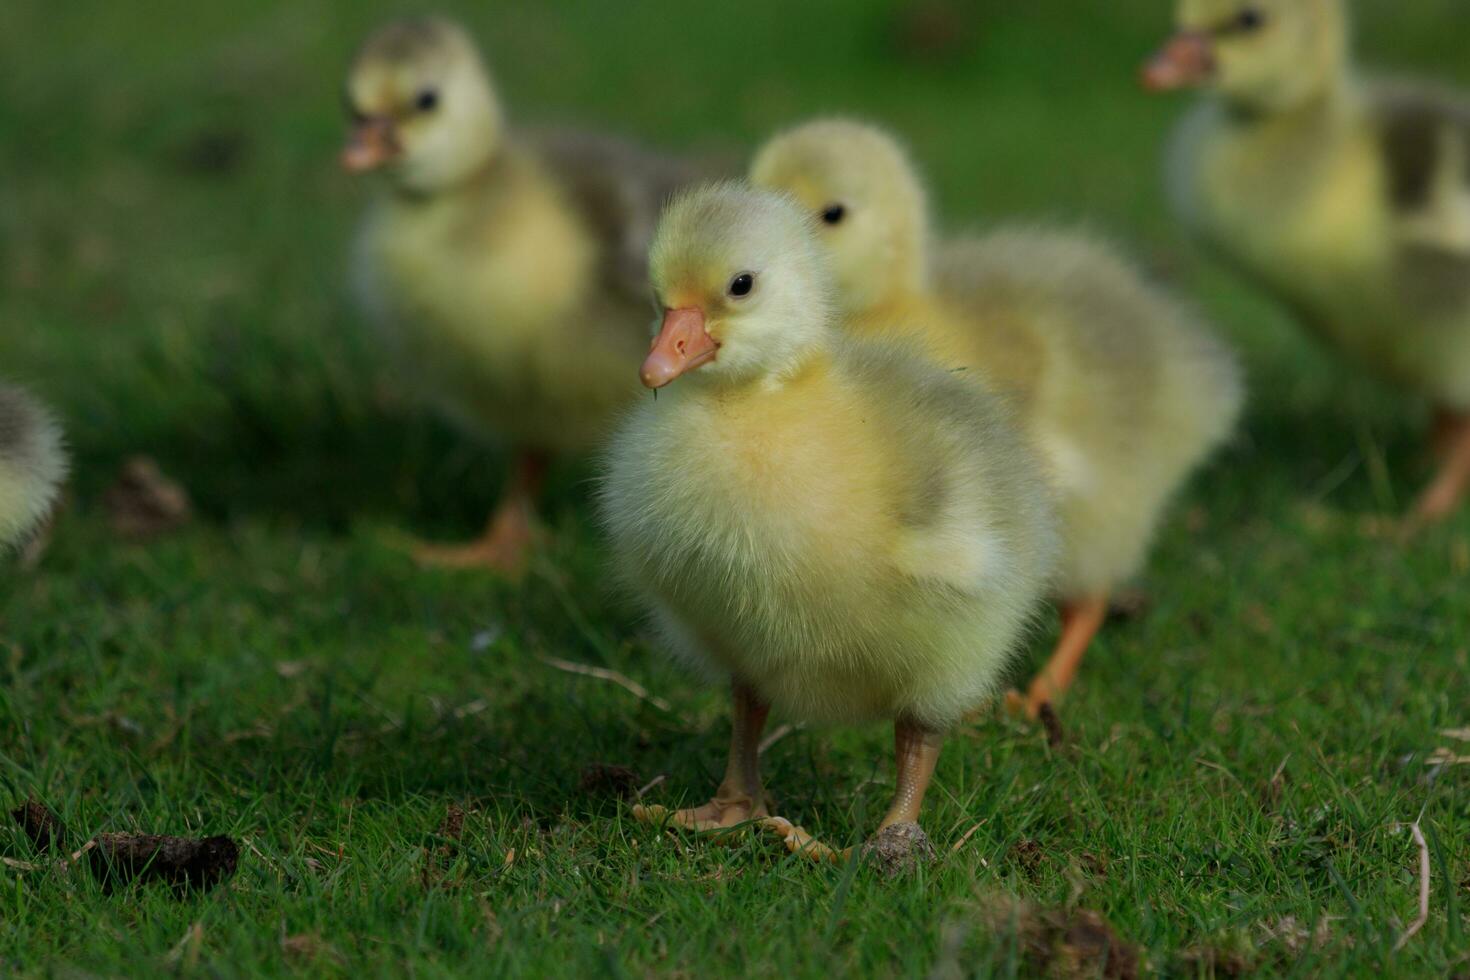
(1120, 389)
(32, 465)
(510, 271)
(1349, 199)
(842, 530)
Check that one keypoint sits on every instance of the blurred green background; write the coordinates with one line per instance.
(173, 235)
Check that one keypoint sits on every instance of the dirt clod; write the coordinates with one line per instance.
(603, 780)
(1056, 737)
(1087, 942)
(1129, 606)
(899, 849)
(1214, 961)
(437, 860)
(1062, 943)
(183, 862)
(452, 826)
(42, 826)
(308, 946)
(143, 503)
(1028, 855)
(213, 153)
(932, 31)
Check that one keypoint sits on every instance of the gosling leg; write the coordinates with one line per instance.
(740, 797)
(1443, 497)
(510, 532)
(1080, 622)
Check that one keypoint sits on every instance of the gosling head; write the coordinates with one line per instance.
(859, 184)
(744, 286)
(1263, 55)
(422, 106)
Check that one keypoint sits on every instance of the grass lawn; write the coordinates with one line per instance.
(1237, 764)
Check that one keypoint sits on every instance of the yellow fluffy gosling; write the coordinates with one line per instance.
(32, 465)
(509, 271)
(1120, 389)
(843, 531)
(1349, 199)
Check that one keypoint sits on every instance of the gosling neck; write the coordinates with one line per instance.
(1328, 86)
(786, 367)
(1328, 108)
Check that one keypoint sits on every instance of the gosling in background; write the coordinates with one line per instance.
(1121, 390)
(1347, 198)
(841, 530)
(32, 465)
(509, 271)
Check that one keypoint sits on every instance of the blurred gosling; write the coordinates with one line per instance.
(1120, 388)
(509, 271)
(32, 465)
(842, 531)
(1349, 199)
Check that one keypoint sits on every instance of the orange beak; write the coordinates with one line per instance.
(373, 143)
(681, 346)
(1188, 60)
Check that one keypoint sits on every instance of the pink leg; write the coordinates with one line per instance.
(916, 751)
(740, 797)
(1080, 622)
(510, 531)
(1444, 495)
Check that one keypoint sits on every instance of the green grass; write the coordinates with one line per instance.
(279, 673)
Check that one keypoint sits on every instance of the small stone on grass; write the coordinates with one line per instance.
(899, 850)
(603, 780)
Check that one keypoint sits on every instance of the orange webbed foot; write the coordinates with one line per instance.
(1023, 707)
(1443, 498)
(717, 817)
(510, 533)
(504, 548)
(504, 556)
(798, 841)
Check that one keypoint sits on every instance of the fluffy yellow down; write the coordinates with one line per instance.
(493, 299)
(849, 530)
(1348, 198)
(32, 464)
(478, 261)
(1121, 389)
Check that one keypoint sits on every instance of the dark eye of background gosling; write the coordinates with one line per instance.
(1248, 21)
(834, 214)
(427, 101)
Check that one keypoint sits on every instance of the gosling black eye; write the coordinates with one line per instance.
(1249, 20)
(834, 214)
(427, 101)
(742, 284)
